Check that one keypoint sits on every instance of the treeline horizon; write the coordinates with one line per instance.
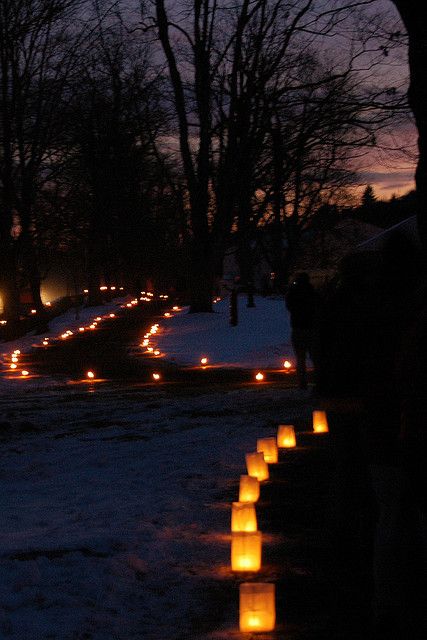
(136, 140)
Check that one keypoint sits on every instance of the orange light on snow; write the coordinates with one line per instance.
(257, 466)
(257, 610)
(243, 517)
(268, 447)
(248, 489)
(286, 436)
(320, 422)
(246, 551)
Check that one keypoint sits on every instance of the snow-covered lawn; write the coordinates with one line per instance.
(115, 499)
(115, 508)
(261, 338)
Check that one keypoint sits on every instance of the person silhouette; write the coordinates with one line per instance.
(301, 302)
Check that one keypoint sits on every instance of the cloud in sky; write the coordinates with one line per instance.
(389, 182)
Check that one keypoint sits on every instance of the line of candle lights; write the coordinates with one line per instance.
(257, 608)
(146, 296)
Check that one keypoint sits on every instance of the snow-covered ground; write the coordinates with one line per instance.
(71, 320)
(261, 338)
(115, 508)
(115, 500)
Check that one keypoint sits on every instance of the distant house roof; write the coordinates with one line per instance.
(407, 227)
(324, 250)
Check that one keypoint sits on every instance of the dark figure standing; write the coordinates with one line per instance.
(301, 303)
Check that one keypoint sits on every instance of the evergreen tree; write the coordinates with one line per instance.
(368, 198)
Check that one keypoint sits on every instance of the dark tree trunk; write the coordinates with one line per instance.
(9, 286)
(201, 276)
(414, 18)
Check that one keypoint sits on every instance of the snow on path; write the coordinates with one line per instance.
(115, 507)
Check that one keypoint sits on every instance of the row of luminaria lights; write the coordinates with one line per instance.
(257, 600)
(68, 333)
(146, 296)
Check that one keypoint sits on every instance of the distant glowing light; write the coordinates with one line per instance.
(287, 364)
(85, 290)
(112, 288)
(3, 321)
(33, 311)
(98, 318)
(204, 361)
(45, 342)
(150, 349)
(92, 326)
(25, 373)
(48, 304)
(129, 305)
(64, 336)
(175, 308)
(167, 314)
(90, 375)
(17, 352)
(104, 288)
(156, 376)
(259, 376)
(156, 352)
(112, 315)
(14, 358)
(13, 365)
(81, 329)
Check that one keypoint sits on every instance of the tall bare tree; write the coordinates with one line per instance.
(37, 56)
